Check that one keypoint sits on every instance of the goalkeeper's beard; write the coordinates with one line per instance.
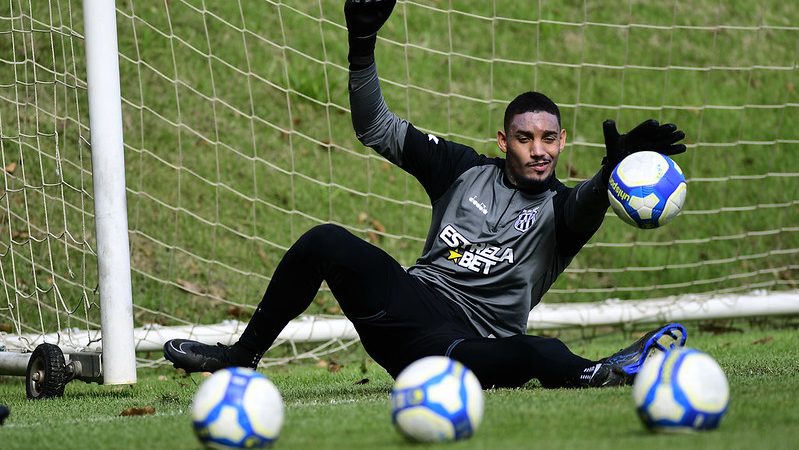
(530, 184)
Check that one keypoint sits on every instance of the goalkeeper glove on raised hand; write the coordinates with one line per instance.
(364, 19)
(649, 135)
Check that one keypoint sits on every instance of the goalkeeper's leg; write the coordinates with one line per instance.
(513, 361)
(364, 279)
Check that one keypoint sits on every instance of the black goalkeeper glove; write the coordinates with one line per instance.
(649, 135)
(364, 19)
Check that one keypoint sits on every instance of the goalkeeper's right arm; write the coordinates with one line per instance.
(375, 125)
(434, 162)
(364, 20)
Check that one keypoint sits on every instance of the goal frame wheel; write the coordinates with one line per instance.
(46, 375)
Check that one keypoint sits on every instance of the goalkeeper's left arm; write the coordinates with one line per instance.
(581, 211)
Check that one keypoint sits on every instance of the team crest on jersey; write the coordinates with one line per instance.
(526, 219)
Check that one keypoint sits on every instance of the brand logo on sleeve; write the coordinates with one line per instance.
(526, 219)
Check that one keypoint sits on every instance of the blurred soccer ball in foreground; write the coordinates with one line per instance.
(237, 408)
(437, 399)
(647, 189)
(681, 390)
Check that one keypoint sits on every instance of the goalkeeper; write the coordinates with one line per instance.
(502, 230)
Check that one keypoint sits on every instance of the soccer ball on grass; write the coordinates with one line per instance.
(647, 189)
(436, 399)
(237, 408)
(681, 390)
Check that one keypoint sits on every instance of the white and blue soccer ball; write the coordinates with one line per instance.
(237, 408)
(647, 189)
(437, 399)
(681, 390)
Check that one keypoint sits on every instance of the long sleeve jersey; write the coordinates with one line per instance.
(491, 248)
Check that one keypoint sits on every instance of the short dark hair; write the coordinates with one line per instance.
(530, 102)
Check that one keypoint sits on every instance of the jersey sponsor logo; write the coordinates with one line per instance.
(478, 204)
(479, 258)
(526, 219)
(430, 137)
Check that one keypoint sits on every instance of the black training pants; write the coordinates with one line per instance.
(398, 318)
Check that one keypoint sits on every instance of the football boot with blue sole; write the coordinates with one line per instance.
(663, 339)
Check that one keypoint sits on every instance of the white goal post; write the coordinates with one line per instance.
(110, 210)
(237, 139)
(110, 204)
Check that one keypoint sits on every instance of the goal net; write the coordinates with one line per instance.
(238, 139)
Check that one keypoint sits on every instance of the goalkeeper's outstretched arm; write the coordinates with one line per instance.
(375, 125)
(583, 209)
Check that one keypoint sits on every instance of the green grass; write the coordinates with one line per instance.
(238, 140)
(336, 410)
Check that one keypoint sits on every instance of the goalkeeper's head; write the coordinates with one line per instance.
(532, 140)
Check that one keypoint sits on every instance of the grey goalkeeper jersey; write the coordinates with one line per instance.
(491, 248)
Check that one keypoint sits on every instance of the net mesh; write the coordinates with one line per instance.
(238, 139)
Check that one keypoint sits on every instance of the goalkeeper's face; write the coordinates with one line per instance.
(532, 144)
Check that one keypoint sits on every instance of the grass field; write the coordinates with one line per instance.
(337, 410)
(238, 139)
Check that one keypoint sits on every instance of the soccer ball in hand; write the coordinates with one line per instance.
(437, 399)
(681, 390)
(237, 408)
(647, 189)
